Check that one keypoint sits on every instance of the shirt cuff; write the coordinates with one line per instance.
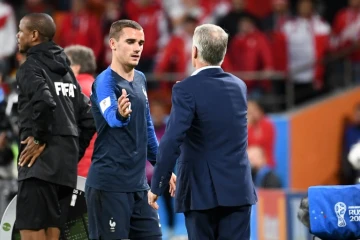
(121, 118)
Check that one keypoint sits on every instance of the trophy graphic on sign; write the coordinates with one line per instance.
(340, 210)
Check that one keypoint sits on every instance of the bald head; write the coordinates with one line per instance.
(42, 23)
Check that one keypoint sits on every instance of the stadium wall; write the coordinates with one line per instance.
(316, 134)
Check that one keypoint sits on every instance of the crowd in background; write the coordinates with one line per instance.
(270, 44)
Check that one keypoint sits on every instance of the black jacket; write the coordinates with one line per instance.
(53, 110)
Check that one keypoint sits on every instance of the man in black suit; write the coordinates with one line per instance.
(207, 133)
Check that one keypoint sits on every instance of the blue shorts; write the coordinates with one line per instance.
(116, 215)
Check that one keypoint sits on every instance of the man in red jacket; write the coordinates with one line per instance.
(249, 51)
(83, 64)
(346, 34)
(79, 26)
(261, 131)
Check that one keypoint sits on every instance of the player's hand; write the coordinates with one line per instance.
(31, 152)
(152, 198)
(172, 184)
(124, 105)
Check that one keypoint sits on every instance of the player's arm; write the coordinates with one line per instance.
(181, 117)
(153, 145)
(108, 105)
(33, 85)
(86, 124)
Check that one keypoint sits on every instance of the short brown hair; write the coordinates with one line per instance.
(118, 26)
(83, 56)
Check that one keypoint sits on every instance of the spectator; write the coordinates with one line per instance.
(83, 65)
(154, 22)
(346, 34)
(307, 42)
(279, 16)
(176, 55)
(180, 9)
(80, 27)
(114, 10)
(228, 22)
(262, 175)
(261, 131)
(34, 6)
(8, 29)
(273, 27)
(259, 8)
(250, 51)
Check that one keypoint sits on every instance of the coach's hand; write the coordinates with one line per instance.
(152, 198)
(124, 105)
(31, 152)
(172, 183)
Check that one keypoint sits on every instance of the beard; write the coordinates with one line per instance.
(24, 48)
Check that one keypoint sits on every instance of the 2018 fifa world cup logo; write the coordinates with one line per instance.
(340, 210)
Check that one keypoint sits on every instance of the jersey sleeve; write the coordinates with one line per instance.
(153, 143)
(107, 103)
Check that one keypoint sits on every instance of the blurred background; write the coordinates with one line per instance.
(299, 58)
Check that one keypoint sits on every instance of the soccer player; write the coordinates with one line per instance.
(56, 126)
(116, 187)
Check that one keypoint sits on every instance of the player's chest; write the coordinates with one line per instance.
(136, 93)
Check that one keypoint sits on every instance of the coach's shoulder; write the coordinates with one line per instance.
(188, 82)
(238, 80)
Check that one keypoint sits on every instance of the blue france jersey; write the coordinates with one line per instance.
(122, 145)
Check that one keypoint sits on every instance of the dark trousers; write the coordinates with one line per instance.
(169, 208)
(220, 223)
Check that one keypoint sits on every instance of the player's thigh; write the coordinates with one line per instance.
(145, 222)
(109, 214)
(37, 205)
(234, 223)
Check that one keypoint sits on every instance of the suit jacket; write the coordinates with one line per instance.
(207, 133)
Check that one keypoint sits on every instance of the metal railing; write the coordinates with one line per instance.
(334, 80)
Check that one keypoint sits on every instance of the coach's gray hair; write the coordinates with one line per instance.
(83, 56)
(211, 42)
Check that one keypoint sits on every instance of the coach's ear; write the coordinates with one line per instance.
(194, 55)
(195, 52)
